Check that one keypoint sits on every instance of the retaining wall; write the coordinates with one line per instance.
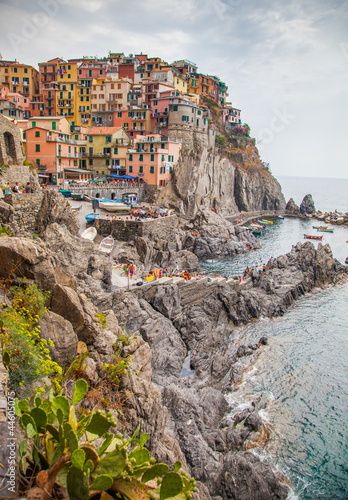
(124, 230)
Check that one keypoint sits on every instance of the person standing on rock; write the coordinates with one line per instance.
(27, 188)
(131, 270)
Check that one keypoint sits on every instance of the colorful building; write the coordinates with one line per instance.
(135, 121)
(231, 116)
(107, 150)
(153, 159)
(19, 78)
(54, 150)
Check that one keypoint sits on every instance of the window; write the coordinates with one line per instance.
(54, 125)
(119, 114)
(141, 169)
(130, 157)
(170, 170)
(33, 124)
(15, 70)
(38, 162)
(125, 126)
(37, 133)
(25, 70)
(75, 163)
(108, 138)
(37, 147)
(152, 157)
(175, 107)
(130, 169)
(90, 138)
(162, 145)
(115, 151)
(90, 161)
(69, 75)
(141, 157)
(163, 158)
(76, 137)
(152, 170)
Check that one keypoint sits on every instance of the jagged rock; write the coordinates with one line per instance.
(78, 310)
(292, 208)
(244, 477)
(22, 257)
(6, 213)
(54, 209)
(60, 331)
(307, 205)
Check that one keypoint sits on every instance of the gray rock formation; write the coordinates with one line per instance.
(60, 331)
(292, 208)
(307, 205)
(229, 185)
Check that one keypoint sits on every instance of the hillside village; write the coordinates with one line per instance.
(118, 115)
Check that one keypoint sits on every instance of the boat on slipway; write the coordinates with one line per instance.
(89, 234)
(312, 237)
(107, 244)
(114, 206)
(91, 217)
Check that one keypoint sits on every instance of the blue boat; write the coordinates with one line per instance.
(91, 217)
(65, 192)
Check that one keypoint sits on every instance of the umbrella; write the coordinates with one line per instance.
(115, 176)
(127, 177)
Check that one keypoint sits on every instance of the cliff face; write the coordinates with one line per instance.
(229, 180)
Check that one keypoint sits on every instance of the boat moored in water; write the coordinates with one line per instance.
(312, 237)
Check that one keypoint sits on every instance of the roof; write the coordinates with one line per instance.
(103, 130)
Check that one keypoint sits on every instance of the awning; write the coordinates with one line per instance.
(115, 176)
(128, 177)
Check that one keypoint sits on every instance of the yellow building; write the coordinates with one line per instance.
(20, 78)
(107, 150)
(180, 83)
(72, 99)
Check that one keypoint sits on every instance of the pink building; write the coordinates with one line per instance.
(153, 159)
(160, 109)
(231, 116)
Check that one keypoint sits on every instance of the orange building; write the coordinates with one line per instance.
(153, 159)
(134, 121)
(55, 153)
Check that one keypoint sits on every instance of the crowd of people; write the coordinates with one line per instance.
(8, 189)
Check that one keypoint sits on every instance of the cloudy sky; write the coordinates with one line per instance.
(285, 62)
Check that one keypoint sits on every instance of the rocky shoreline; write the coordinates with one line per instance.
(186, 418)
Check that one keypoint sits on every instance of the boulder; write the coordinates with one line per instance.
(60, 331)
(307, 205)
(292, 208)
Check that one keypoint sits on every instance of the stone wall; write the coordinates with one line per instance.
(10, 143)
(124, 230)
(26, 207)
(17, 173)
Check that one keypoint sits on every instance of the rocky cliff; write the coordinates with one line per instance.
(187, 418)
(229, 179)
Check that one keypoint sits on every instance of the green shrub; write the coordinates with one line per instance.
(120, 365)
(220, 140)
(25, 353)
(102, 320)
(4, 231)
(80, 453)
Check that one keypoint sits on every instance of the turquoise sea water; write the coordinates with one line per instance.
(303, 369)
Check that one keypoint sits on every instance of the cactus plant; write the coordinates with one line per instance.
(61, 447)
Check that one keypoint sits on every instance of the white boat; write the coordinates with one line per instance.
(114, 206)
(107, 244)
(89, 233)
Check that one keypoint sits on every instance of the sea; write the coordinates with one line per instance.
(304, 368)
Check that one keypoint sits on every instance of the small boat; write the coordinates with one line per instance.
(91, 217)
(75, 208)
(268, 221)
(312, 237)
(89, 234)
(262, 222)
(257, 232)
(280, 217)
(114, 206)
(326, 230)
(107, 244)
(320, 227)
(77, 196)
(65, 192)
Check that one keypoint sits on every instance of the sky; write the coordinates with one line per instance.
(285, 62)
